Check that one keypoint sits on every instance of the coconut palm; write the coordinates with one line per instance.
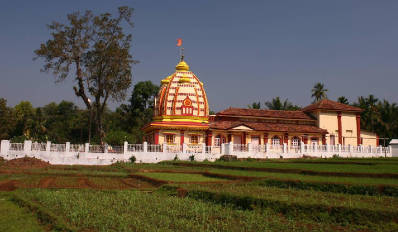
(343, 100)
(278, 104)
(319, 92)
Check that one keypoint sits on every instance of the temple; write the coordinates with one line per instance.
(181, 115)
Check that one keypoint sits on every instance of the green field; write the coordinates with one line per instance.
(219, 196)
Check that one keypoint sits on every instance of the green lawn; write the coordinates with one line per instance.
(14, 218)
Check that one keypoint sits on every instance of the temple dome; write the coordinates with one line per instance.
(181, 97)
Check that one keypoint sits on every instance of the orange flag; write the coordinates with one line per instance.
(179, 42)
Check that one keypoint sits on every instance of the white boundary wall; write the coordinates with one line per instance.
(67, 154)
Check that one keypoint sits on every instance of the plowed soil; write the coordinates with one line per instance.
(25, 163)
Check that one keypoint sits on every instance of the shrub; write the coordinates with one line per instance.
(192, 157)
(175, 158)
(132, 159)
(228, 158)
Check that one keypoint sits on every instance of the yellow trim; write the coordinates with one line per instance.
(181, 118)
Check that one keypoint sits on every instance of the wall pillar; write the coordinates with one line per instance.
(27, 146)
(125, 146)
(48, 146)
(377, 140)
(358, 129)
(340, 128)
(67, 147)
(145, 146)
(86, 147)
(5, 146)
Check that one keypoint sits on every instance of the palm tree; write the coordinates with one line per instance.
(319, 92)
(254, 105)
(278, 104)
(343, 100)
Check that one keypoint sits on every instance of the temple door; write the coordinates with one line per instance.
(237, 139)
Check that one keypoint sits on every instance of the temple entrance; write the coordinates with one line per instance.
(237, 139)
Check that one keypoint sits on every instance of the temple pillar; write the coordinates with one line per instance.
(265, 138)
(209, 138)
(286, 138)
(323, 139)
(358, 129)
(340, 128)
(181, 137)
(156, 137)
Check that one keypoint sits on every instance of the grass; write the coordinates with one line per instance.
(89, 210)
(385, 165)
(180, 177)
(108, 198)
(15, 218)
(381, 203)
(292, 176)
(375, 167)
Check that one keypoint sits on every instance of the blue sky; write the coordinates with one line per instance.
(243, 51)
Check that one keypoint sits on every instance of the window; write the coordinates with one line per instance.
(217, 141)
(275, 141)
(295, 141)
(194, 139)
(169, 139)
(314, 141)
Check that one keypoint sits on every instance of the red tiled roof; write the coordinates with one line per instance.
(330, 105)
(286, 114)
(261, 126)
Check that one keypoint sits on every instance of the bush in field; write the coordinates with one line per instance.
(132, 159)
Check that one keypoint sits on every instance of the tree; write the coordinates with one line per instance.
(319, 92)
(141, 106)
(7, 122)
(343, 100)
(24, 116)
(96, 52)
(254, 105)
(278, 104)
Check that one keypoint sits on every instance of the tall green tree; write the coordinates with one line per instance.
(95, 51)
(278, 104)
(343, 100)
(7, 121)
(319, 92)
(141, 106)
(24, 116)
